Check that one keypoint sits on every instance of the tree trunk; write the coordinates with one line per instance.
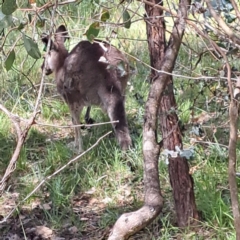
(163, 59)
(233, 114)
(181, 180)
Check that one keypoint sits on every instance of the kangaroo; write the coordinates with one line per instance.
(90, 74)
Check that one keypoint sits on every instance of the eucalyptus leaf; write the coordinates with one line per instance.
(105, 15)
(92, 31)
(41, 23)
(10, 60)
(22, 25)
(126, 19)
(5, 20)
(2, 16)
(31, 47)
(230, 17)
(9, 6)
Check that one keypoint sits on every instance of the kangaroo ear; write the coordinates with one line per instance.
(61, 34)
(45, 39)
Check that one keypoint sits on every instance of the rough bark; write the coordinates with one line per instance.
(181, 180)
(233, 113)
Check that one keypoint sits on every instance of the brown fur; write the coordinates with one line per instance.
(91, 74)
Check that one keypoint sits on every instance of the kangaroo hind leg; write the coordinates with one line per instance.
(76, 110)
(116, 111)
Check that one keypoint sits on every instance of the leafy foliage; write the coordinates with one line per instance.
(9, 6)
(105, 15)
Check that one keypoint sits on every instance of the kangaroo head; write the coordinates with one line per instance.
(57, 54)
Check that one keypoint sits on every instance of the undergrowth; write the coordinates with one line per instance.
(91, 193)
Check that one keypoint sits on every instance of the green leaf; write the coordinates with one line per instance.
(40, 23)
(9, 6)
(31, 47)
(22, 25)
(29, 17)
(10, 60)
(230, 17)
(105, 15)
(92, 31)
(5, 20)
(126, 19)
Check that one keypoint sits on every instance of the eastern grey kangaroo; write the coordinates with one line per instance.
(91, 74)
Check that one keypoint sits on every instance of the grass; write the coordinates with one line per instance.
(92, 193)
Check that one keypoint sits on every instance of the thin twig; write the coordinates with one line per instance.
(75, 126)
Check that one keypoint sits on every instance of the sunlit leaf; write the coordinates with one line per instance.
(105, 15)
(126, 19)
(92, 31)
(40, 23)
(9, 6)
(10, 60)
(31, 47)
